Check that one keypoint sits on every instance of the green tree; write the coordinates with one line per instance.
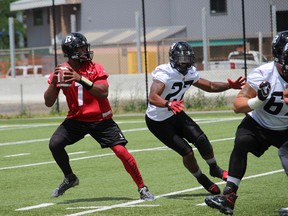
(19, 28)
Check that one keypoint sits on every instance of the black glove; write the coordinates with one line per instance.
(264, 90)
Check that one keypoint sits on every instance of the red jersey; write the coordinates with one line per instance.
(83, 106)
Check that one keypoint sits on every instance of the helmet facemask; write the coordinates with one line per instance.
(75, 46)
(280, 52)
(82, 55)
(284, 61)
(183, 62)
(181, 57)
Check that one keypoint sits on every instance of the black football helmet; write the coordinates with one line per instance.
(280, 51)
(181, 56)
(70, 44)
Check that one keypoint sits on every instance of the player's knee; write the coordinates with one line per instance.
(56, 143)
(244, 143)
(120, 151)
(203, 145)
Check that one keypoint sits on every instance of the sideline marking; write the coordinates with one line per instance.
(250, 177)
(199, 121)
(80, 152)
(35, 206)
(164, 195)
(17, 155)
(100, 155)
(98, 207)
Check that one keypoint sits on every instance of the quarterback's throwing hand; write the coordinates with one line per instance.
(175, 106)
(237, 84)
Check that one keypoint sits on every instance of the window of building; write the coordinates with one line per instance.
(218, 7)
(38, 17)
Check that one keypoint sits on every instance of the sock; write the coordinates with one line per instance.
(197, 174)
(211, 162)
(230, 188)
(71, 176)
(129, 163)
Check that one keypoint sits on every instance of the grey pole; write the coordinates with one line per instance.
(138, 41)
(12, 46)
(73, 22)
(204, 38)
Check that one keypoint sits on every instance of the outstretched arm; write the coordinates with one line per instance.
(209, 86)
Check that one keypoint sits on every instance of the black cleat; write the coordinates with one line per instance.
(283, 212)
(224, 203)
(65, 185)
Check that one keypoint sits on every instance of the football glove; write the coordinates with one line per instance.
(264, 90)
(175, 106)
(237, 84)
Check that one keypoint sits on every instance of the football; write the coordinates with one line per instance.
(62, 78)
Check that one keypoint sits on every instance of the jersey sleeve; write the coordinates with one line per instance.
(257, 76)
(101, 75)
(160, 75)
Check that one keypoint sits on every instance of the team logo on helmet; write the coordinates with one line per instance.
(68, 39)
(72, 42)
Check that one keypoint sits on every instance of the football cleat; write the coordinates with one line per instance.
(283, 212)
(145, 194)
(208, 185)
(224, 203)
(65, 185)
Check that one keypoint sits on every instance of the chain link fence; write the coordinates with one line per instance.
(119, 22)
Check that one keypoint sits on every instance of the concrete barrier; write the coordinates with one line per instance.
(29, 91)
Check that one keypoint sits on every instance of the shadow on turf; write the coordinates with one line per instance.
(99, 199)
(187, 196)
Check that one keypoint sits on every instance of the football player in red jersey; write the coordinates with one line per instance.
(89, 113)
(166, 119)
(265, 124)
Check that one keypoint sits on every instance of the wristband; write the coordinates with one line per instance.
(86, 83)
(167, 105)
(254, 103)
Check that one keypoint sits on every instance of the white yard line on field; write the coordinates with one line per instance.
(100, 155)
(32, 125)
(35, 206)
(17, 155)
(135, 202)
(199, 121)
(104, 208)
(47, 139)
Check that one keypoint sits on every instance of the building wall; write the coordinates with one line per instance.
(38, 35)
(114, 14)
(107, 14)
